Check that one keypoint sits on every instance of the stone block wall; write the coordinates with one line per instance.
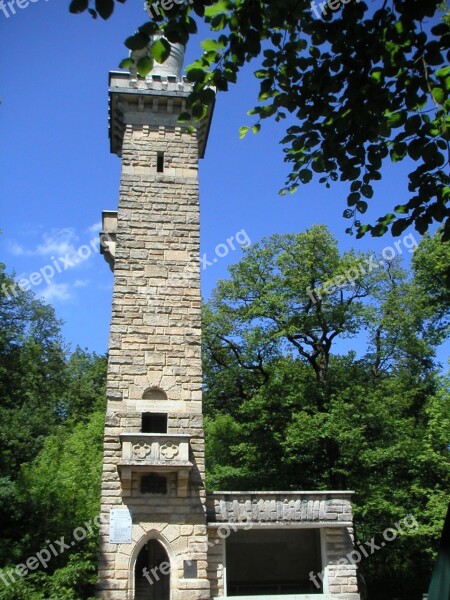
(154, 344)
(330, 512)
(156, 315)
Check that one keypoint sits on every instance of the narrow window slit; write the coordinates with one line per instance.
(160, 162)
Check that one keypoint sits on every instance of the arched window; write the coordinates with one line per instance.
(154, 393)
(152, 573)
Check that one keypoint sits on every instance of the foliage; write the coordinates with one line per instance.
(84, 385)
(32, 367)
(296, 293)
(62, 485)
(362, 86)
(431, 266)
(378, 423)
(51, 431)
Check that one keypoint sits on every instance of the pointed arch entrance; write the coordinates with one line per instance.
(152, 573)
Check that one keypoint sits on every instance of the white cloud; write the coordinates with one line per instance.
(59, 242)
(95, 228)
(56, 244)
(58, 292)
(16, 249)
(81, 283)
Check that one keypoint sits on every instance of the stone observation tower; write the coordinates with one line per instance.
(164, 538)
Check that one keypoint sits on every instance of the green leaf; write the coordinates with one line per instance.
(396, 119)
(184, 117)
(160, 50)
(439, 95)
(126, 63)
(243, 132)
(362, 206)
(199, 111)
(442, 73)
(211, 45)
(208, 96)
(195, 75)
(217, 8)
(138, 41)
(218, 22)
(256, 128)
(305, 175)
(78, 6)
(353, 198)
(105, 8)
(144, 65)
(399, 226)
(377, 75)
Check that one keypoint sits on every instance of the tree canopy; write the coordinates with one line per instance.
(359, 86)
(279, 391)
(51, 429)
(376, 421)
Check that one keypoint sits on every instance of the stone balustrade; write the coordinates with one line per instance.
(141, 449)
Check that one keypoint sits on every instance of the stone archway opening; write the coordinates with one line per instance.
(152, 573)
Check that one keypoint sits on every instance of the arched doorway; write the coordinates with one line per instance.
(152, 573)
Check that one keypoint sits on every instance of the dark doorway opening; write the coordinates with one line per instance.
(152, 573)
(267, 561)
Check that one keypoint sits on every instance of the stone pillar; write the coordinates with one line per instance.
(341, 558)
(153, 446)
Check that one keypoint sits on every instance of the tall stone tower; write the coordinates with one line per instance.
(153, 494)
(163, 538)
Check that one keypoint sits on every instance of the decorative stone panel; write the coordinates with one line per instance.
(330, 508)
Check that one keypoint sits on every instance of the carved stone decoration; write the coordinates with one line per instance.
(169, 451)
(141, 450)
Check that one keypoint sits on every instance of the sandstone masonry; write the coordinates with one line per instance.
(179, 542)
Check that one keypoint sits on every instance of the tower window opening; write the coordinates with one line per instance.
(153, 484)
(154, 422)
(160, 162)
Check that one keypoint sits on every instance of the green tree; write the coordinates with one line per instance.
(431, 268)
(32, 371)
(292, 292)
(59, 493)
(361, 87)
(84, 385)
(378, 423)
(51, 411)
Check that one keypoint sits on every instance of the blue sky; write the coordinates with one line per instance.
(57, 174)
